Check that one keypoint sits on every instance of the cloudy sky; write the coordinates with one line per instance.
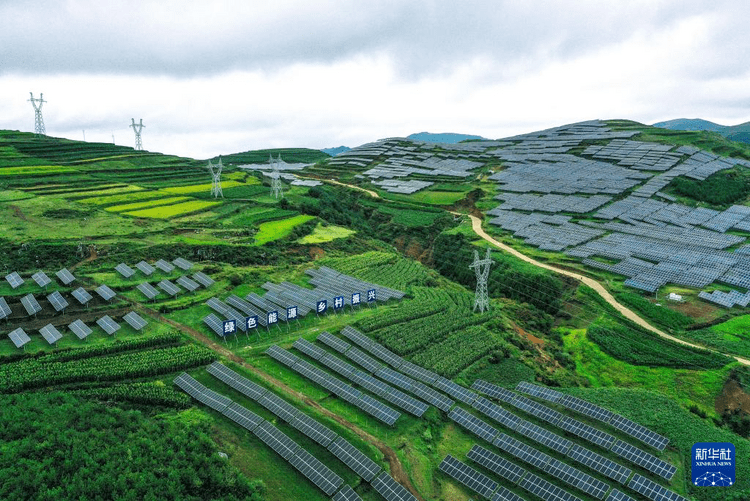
(227, 76)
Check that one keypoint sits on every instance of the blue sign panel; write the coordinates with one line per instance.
(372, 295)
(230, 327)
(338, 302)
(273, 317)
(322, 306)
(356, 299)
(713, 464)
(291, 313)
(251, 322)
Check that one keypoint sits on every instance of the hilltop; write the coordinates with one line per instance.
(740, 132)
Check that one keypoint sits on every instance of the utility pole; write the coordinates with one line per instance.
(137, 129)
(482, 270)
(39, 129)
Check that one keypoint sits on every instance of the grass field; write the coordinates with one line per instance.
(143, 205)
(275, 230)
(195, 188)
(175, 210)
(326, 234)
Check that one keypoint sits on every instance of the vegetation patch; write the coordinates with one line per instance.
(411, 218)
(120, 198)
(327, 233)
(662, 315)
(142, 205)
(169, 211)
(275, 230)
(35, 170)
(722, 188)
(197, 188)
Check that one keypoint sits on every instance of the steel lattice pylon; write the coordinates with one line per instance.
(216, 174)
(137, 129)
(38, 120)
(482, 270)
(276, 188)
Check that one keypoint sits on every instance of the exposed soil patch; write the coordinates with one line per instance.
(732, 397)
(528, 335)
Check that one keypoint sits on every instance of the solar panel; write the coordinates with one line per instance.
(203, 279)
(496, 464)
(125, 270)
(310, 349)
(276, 440)
(336, 343)
(82, 296)
(496, 413)
(378, 409)
(352, 457)
(168, 287)
(58, 302)
(282, 355)
(493, 391)
(346, 494)
(639, 432)
(616, 495)
(14, 279)
(361, 358)
(19, 337)
(468, 476)
(188, 284)
(239, 383)
(148, 290)
(587, 408)
(41, 279)
(587, 432)
(5, 310)
(145, 268)
(391, 490)
(316, 472)
(455, 390)
(242, 416)
(504, 494)
(577, 478)
(599, 463)
(652, 490)
(644, 459)
(419, 373)
(164, 266)
(31, 305)
(537, 409)
(183, 264)
(214, 323)
(473, 424)
(51, 334)
(313, 429)
(539, 391)
(134, 320)
(279, 406)
(544, 437)
(65, 276)
(105, 292)
(80, 329)
(522, 451)
(199, 392)
(108, 325)
(545, 490)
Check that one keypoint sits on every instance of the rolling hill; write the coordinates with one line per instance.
(740, 132)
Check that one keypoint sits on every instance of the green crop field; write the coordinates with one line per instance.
(110, 400)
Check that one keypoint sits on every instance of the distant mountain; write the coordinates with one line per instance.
(447, 137)
(740, 132)
(335, 151)
(690, 124)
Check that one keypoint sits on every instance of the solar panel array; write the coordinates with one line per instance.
(65, 276)
(471, 478)
(600, 463)
(391, 490)
(105, 292)
(5, 310)
(148, 290)
(644, 459)
(30, 304)
(203, 279)
(346, 494)
(108, 325)
(354, 459)
(522, 451)
(473, 424)
(57, 301)
(134, 320)
(14, 279)
(577, 478)
(82, 295)
(19, 337)
(188, 284)
(343, 390)
(214, 323)
(639, 432)
(164, 266)
(169, 287)
(145, 268)
(545, 490)
(41, 279)
(80, 329)
(319, 474)
(496, 464)
(125, 270)
(50, 333)
(616, 495)
(183, 264)
(652, 490)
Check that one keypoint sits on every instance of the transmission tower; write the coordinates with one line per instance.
(38, 120)
(137, 129)
(482, 269)
(216, 174)
(276, 189)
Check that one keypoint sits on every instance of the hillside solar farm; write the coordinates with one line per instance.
(296, 326)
